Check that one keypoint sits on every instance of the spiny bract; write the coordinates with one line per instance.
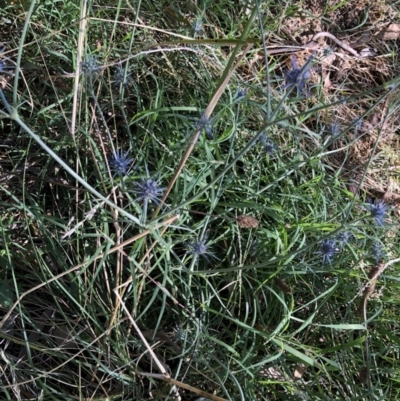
(297, 77)
(378, 211)
(120, 162)
(148, 190)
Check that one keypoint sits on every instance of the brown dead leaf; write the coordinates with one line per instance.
(327, 82)
(391, 197)
(391, 32)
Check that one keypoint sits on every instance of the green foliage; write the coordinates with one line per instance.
(223, 284)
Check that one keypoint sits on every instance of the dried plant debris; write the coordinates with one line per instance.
(369, 288)
(247, 222)
(390, 32)
(283, 286)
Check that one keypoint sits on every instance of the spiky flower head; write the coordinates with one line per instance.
(179, 333)
(120, 162)
(120, 78)
(207, 125)
(327, 250)
(197, 26)
(148, 190)
(342, 238)
(267, 144)
(378, 211)
(199, 248)
(240, 94)
(334, 128)
(358, 123)
(90, 65)
(377, 252)
(297, 77)
(5, 63)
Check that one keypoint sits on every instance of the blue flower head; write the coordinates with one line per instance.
(197, 26)
(358, 123)
(90, 65)
(200, 248)
(179, 333)
(378, 211)
(148, 190)
(268, 145)
(120, 162)
(334, 128)
(297, 77)
(342, 238)
(119, 77)
(4, 66)
(240, 94)
(207, 126)
(327, 250)
(377, 252)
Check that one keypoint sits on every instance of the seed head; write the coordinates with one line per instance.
(378, 211)
(120, 162)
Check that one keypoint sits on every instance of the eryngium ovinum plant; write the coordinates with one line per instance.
(201, 290)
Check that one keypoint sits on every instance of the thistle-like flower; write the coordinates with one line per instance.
(342, 239)
(179, 333)
(120, 78)
(378, 211)
(148, 190)
(120, 162)
(297, 77)
(377, 252)
(200, 248)
(267, 144)
(90, 65)
(197, 26)
(327, 250)
(207, 125)
(240, 94)
(334, 128)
